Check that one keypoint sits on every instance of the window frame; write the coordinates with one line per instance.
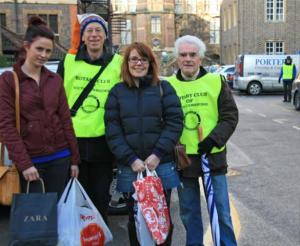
(3, 17)
(155, 24)
(273, 47)
(275, 10)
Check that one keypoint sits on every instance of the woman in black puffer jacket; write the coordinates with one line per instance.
(143, 121)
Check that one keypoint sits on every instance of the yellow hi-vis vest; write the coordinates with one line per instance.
(199, 102)
(89, 119)
(287, 71)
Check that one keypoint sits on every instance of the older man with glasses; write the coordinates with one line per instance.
(206, 102)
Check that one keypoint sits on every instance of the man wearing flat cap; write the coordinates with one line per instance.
(89, 72)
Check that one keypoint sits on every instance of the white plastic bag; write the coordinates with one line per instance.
(79, 222)
(143, 234)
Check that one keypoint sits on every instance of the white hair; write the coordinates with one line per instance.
(191, 40)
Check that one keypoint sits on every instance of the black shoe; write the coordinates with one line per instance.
(284, 100)
(289, 101)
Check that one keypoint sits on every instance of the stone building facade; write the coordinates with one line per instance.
(59, 14)
(159, 22)
(259, 27)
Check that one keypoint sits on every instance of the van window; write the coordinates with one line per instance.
(230, 70)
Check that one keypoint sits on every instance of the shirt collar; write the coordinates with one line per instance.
(82, 55)
(201, 73)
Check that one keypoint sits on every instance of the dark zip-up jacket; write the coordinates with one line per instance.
(46, 125)
(133, 119)
(227, 122)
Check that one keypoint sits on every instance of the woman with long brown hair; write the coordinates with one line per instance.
(46, 146)
(143, 123)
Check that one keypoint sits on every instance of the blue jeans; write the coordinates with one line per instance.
(190, 210)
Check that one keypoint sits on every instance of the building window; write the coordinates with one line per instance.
(212, 6)
(234, 15)
(274, 10)
(155, 24)
(274, 48)
(51, 20)
(2, 19)
(215, 31)
(192, 6)
(126, 34)
(132, 5)
(178, 6)
(121, 6)
(224, 16)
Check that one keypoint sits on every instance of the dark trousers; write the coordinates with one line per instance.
(131, 222)
(287, 90)
(95, 178)
(55, 175)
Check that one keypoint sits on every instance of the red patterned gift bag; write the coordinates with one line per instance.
(150, 196)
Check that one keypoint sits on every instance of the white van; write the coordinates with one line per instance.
(257, 73)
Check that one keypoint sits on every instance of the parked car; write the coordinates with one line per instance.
(227, 71)
(51, 65)
(257, 73)
(212, 68)
(296, 93)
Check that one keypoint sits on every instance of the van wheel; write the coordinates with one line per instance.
(297, 101)
(254, 88)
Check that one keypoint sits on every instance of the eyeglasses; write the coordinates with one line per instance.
(191, 54)
(136, 60)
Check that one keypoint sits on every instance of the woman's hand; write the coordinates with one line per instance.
(74, 172)
(152, 162)
(31, 174)
(138, 166)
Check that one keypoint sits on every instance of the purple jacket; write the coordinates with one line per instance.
(46, 125)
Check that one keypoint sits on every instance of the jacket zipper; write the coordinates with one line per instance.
(140, 108)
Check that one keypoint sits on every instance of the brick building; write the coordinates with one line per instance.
(160, 22)
(59, 14)
(259, 27)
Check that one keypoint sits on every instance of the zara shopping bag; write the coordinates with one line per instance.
(150, 196)
(79, 222)
(33, 218)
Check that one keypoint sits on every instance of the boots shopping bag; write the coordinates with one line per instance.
(79, 222)
(151, 198)
(142, 232)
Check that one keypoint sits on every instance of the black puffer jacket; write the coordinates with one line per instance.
(133, 118)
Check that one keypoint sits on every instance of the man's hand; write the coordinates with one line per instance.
(138, 166)
(205, 146)
(152, 162)
(74, 171)
(279, 81)
(31, 174)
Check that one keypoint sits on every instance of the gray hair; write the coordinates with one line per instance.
(191, 40)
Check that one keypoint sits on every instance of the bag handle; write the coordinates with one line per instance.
(151, 173)
(69, 189)
(17, 111)
(140, 176)
(42, 182)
